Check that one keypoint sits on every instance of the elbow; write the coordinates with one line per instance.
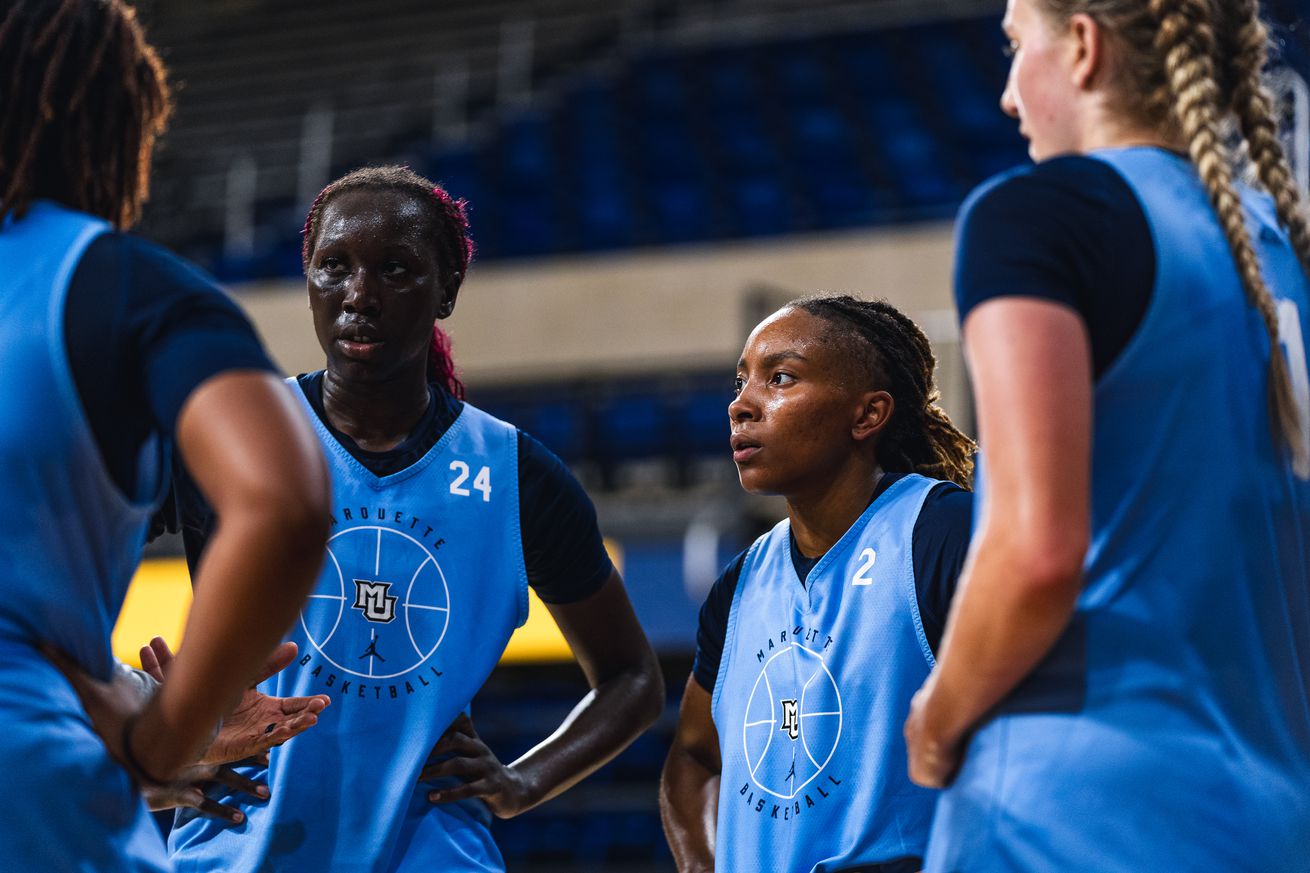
(1050, 566)
(649, 692)
(292, 506)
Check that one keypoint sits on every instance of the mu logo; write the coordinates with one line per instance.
(372, 599)
(791, 721)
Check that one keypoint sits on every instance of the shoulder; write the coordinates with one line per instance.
(1056, 231)
(151, 262)
(1055, 185)
(949, 507)
(539, 463)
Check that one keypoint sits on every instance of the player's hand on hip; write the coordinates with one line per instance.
(109, 705)
(259, 721)
(502, 788)
(934, 759)
(189, 792)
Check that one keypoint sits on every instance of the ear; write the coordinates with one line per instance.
(1088, 49)
(449, 293)
(875, 411)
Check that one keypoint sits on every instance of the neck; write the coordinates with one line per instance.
(378, 416)
(820, 519)
(1108, 130)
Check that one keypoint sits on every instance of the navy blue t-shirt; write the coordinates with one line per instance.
(143, 329)
(1069, 230)
(939, 544)
(562, 546)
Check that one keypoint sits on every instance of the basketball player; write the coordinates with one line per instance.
(441, 518)
(112, 353)
(1123, 680)
(788, 750)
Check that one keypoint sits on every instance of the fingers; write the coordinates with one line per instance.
(163, 654)
(283, 655)
(150, 663)
(312, 705)
(234, 780)
(66, 666)
(190, 797)
(459, 744)
(480, 788)
(472, 762)
(214, 809)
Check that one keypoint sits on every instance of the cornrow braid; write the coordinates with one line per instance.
(86, 98)
(1187, 42)
(1253, 106)
(451, 236)
(920, 437)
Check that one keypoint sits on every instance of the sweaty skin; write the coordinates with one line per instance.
(801, 428)
(376, 287)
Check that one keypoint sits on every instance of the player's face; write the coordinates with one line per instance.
(1039, 92)
(795, 407)
(374, 284)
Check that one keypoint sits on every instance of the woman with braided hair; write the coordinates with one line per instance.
(113, 353)
(1123, 679)
(442, 518)
(788, 754)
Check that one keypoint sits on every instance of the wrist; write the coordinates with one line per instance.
(945, 725)
(138, 770)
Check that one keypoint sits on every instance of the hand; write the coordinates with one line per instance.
(259, 721)
(934, 758)
(189, 792)
(109, 705)
(501, 788)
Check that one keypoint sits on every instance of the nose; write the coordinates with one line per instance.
(1009, 100)
(743, 407)
(361, 296)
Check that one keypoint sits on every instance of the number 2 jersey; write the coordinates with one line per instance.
(812, 692)
(423, 584)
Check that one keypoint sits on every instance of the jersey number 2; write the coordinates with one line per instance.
(482, 482)
(861, 576)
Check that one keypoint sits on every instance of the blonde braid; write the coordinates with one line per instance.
(1186, 41)
(1254, 109)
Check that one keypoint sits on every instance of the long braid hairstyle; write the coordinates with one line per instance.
(449, 223)
(1187, 67)
(85, 97)
(920, 437)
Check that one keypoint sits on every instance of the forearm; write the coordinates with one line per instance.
(256, 573)
(1006, 617)
(603, 723)
(689, 808)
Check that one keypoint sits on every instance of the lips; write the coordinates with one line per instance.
(359, 341)
(743, 447)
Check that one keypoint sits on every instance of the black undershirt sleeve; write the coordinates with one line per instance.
(940, 544)
(562, 546)
(144, 329)
(712, 628)
(1069, 230)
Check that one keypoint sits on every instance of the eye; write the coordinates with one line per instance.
(781, 378)
(738, 384)
(393, 269)
(331, 264)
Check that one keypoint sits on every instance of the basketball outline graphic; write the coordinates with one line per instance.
(344, 599)
(753, 766)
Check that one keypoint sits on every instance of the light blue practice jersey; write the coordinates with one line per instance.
(68, 549)
(423, 584)
(1190, 646)
(811, 696)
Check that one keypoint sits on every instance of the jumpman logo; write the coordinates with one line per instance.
(791, 774)
(372, 650)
